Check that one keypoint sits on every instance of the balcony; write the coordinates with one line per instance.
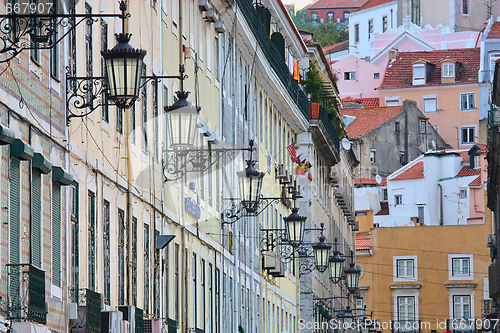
(461, 326)
(89, 311)
(26, 293)
(494, 116)
(276, 61)
(324, 132)
(406, 326)
(494, 279)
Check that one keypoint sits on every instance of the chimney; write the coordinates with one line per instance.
(393, 54)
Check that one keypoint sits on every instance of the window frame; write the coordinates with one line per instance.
(330, 19)
(373, 155)
(469, 108)
(370, 27)
(398, 200)
(356, 33)
(464, 143)
(418, 81)
(430, 97)
(452, 258)
(422, 126)
(465, 7)
(395, 274)
(385, 23)
(398, 304)
(389, 99)
(315, 17)
(447, 72)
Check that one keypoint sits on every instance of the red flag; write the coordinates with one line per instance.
(293, 152)
(310, 176)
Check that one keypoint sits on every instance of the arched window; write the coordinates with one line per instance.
(329, 17)
(314, 16)
(346, 16)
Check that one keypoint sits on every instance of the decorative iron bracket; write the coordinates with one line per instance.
(178, 162)
(271, 238)
(34, 31)
(235, 210)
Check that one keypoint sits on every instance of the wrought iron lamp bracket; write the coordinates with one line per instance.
(235, 210)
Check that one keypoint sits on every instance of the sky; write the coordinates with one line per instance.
(299, 3)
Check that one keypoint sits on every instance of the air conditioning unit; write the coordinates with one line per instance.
(203, 4)
(268, 260)
(111, 321)
(72, 311)
(128, 315)
(153, 326)
(210, 15)
(218, 27)
(279, 270)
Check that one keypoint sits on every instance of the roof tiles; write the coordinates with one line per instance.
(399, 73)
(414, 172)
(336, 47)
(374, 3)
(494, 31)
(327, 4)
(367, 119)
(363, 241)
(476, 182)
(367, 102)
(464, 172)
(369, 181)
(384, 208)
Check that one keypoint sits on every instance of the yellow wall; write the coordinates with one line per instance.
(365, 222)
(449, 115)
(432, 246)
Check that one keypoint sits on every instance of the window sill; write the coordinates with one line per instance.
(468, 110)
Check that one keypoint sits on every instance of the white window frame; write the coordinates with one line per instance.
(373, 155)
(390, 99)
(459, 299)
(461, 137)
(398, 301)
(452, 277)
(477, 162)
(404, 292)
(429, 97)
(465, 290)
(422, 126)
(473, 94)
(356, 33)
(462, 195)
(448, 70)
(418, 80)
(396, 259)
(396, 196)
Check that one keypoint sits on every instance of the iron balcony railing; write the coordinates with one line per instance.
(170, 326)
(276, 60)
(89, 303)
(26, 293)
(318, 111)
(461, 325)
(406, 326)
(494, 116)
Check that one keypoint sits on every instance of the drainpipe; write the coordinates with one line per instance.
(440, 204)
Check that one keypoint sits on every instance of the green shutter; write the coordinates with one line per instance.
(14, 212)
(36, 206)
(56, 234)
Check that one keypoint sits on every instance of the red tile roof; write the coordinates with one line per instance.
(414, 172)
(399, 73)
(369, 102)
(367, 119)
(476, 182)
(336, 47)
(374, 3)
(384, 208)
(369, 181)
(327, 4)
(483, 146)
(363, 241)
(494, 31)
(464, 172)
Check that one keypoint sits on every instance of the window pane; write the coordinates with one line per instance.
(419, 72)
(410, 268)
(465, 266)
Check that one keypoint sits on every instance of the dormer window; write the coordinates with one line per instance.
(449, 70)
(418, 74)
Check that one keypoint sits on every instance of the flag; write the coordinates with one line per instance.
(293, 152)
(310, 176)
(297, 160)
(296, 71)
(300, 169)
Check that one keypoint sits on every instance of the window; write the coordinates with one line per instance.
(72, 44)
(463, 194)
(193, 295)
(35, 51)
(397, 126)
(91, 241)
(144, 100)
(418, 74)
(477, 162)
(465, 7)
(106, 251)
(330, 17)
(448, 70)
(146, 268)
(104, 47)
(405, 268)
(132, 123)
(156, 130)
(202, 294)
(406, 308)
(402, 157)
(349, 75)
(384, 24)
(398, 200)
(468, 135)
(392, 101)
(314, 16)
(370, 28)
(384, 194)
(430, 103)
(134, 260)
(54, 51)
(121, 256)
(372, 155)
(361, 213)
(176, 281)
(467, 102)
(359, 308)
(423, 126)
(216, 57)
(356, 33)
(74, 241)
(461, 307)
(376, 76)
(460, 267)
(346, 17)
(415, 12)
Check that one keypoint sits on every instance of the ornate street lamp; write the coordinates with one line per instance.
(250, 185)
(336, 265)
(123, 71)
(182, 118)
(352, 278)
(348, 316)
(321, 254)
(295, 226)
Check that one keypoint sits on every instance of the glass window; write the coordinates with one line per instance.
(448, 70)
(398, 199)
(406, 308)
(467, 101)
(330, 17)
(356, 33)
(430, 104)
(468, 135)
(418, 74)
(423, 127)
(415, 12)
(384, 24)
(376, 76)
(465, 7)
(346, 17)
(463, 194)
(314, 16)
(349, 75)
(405, 268)
(372, 155)
(477, 162)
(461, 267)
(461, 307)
(370, 28)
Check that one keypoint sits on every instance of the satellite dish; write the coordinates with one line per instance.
(378, 179)
(433, 145)
(346, 143)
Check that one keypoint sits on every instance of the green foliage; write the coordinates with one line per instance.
(312, 84)
(241, 329)
(327, 33)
